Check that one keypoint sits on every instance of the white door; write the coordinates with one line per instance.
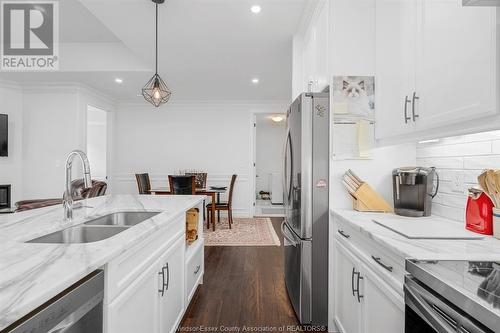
(347, 308)
(395, 66)
(97, 142)
(172, 299)
(456, 63)
(383, 310)
(136, 308)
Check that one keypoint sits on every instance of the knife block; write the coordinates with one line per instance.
(366, 199)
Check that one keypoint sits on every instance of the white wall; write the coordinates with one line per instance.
(11, 167)
(270, 137)
(214, 137)
(54, 124)
(459, 160)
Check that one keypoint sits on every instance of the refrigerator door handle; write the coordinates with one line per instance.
(287, 188)
(286, 236)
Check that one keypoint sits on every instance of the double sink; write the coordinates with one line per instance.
(97, 229)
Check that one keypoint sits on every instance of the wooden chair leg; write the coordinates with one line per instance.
(230, 217)
(218, 215)
(208, 218)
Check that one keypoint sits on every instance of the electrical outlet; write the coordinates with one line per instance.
(457, 182)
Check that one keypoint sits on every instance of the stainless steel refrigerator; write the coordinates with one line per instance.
(305, 198)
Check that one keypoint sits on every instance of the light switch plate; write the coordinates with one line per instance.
(457, 182)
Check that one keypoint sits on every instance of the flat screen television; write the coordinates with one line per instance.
(4, 135)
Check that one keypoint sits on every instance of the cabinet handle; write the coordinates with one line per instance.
(343, 233)
(197, 269)
(379, 261)
(357, 290)
(407, 100)
(168, 276)
(415, 97)
(352, 281)
(162, 273)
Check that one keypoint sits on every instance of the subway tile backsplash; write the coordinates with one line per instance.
(459, 160)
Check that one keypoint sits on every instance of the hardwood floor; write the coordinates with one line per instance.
(243, 286)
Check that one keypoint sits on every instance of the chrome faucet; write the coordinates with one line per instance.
(87, 181)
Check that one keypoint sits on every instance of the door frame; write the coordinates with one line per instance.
(253, 155)
(108, 135)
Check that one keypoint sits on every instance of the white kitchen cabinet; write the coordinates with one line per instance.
(395, 60)
(155, 300)
(383, 308)
(312, 50)
(347, 311)
(136, 308)
(456, 67)
(363, 303)
(171, 299)
(444, 57)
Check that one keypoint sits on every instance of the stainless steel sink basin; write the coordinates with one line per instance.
(79, 234)
(122, 218)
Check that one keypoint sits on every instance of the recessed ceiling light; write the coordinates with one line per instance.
(255, 81)
(255, 9)
(118, 80)
(277, 119)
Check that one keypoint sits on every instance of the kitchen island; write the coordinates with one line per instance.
(32, 273)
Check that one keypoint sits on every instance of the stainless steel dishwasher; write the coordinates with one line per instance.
(77, 309)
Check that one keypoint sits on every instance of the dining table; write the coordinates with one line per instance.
(213, 192)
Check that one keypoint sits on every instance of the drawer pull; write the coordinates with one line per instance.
(379, 261)
(343, 234)
(197, 269)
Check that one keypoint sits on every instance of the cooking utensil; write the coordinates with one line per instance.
(492, 187)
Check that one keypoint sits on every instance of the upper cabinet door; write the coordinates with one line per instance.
(456, 63)
(395, 66)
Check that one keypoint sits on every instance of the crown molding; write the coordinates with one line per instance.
(211, 103)
(64, 87)
(10, 84)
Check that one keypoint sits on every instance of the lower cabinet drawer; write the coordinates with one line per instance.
(194, 271)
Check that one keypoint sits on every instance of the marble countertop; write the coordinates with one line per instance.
(31, 274)
(486, 249)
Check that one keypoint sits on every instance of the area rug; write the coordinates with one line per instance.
(244, 232)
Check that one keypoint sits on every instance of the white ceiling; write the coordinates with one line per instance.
(209, 49)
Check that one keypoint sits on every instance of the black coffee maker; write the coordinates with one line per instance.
(413, 190)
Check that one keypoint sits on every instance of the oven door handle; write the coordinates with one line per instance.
(438, 317)
(427, 311)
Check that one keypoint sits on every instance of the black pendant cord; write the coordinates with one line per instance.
(156, 46)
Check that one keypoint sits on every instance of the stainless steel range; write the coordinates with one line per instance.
(452, 296)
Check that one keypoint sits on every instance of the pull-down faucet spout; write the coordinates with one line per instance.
(87, 180)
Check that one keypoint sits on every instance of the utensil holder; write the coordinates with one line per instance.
(496, 222)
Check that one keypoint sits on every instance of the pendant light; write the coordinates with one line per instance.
(156, 91)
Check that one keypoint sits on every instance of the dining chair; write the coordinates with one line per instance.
(224, 206)
(182, 184)
(200, 178)
(143, 183)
